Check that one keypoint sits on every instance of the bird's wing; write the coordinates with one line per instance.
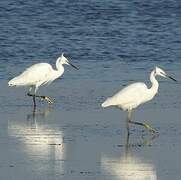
(37, 73)
(129, 94)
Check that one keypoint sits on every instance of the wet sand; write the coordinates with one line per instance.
(91, 144)
(76, 139)
(114, 43)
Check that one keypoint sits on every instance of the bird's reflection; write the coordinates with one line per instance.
(36, 114)
(38, 138)
(36, 133)
(129, 166)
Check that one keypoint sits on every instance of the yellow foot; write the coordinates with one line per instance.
(48, 99)
(152, 130)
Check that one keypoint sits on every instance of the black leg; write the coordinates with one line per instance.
(34, 103)
(48, 99)
(144, 125)
(127, 127)
(34, 100)
(128, 120)
(148, 127)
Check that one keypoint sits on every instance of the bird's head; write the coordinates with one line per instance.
(63, 60)
(161, 72)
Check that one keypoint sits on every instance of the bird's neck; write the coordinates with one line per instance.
(155, 85)
(59, 64)
(60, 69)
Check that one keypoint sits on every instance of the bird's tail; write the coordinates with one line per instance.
(107, 102)
(11, 83)
(15, 82)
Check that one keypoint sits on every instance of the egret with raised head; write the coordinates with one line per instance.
(38, 75)
(136, 94)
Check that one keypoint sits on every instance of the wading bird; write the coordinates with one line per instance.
(39, 75)
(136, 94)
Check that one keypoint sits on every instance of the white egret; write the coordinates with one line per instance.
(136, 94)
(38, 75)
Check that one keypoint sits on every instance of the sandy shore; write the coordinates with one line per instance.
(76, 139)
(59, 144)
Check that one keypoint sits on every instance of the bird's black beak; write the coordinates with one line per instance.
(73, 66)
(171, 78)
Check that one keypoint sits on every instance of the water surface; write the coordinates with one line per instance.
(114, 43)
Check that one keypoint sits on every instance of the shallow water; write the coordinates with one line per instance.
(114, 43)
(53, 144)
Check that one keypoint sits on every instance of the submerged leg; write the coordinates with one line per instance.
(128, 120)
(34, 101)
(148, 127)
(33, 95)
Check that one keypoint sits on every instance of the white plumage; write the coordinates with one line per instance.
(135, 94)
(124, 98)
(38, 75)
